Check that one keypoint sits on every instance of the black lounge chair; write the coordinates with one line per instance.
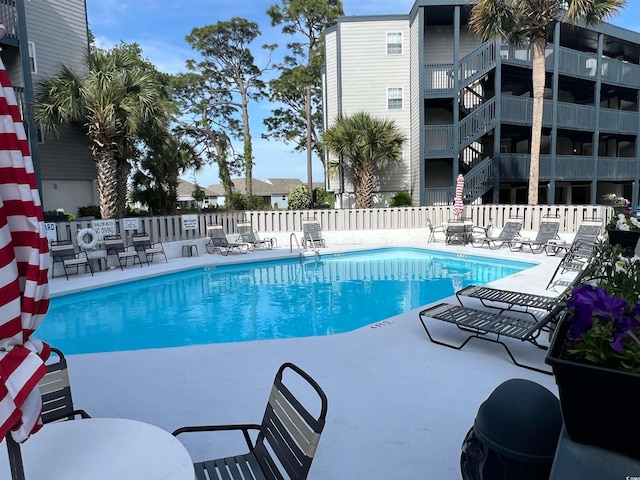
(505, 300)
(286, 439)
(584, 240)
(64, 253)
(251, 238)
(218, 241)
(55, 389)
(143, 245)
(548, 231)
(491, 326)
(577, 259)
(312, 234)
(114, 245)
(506, 237)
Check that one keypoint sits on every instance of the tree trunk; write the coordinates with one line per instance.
(248, 148)
(123, 169)
(307, 106)
(106, 166)
(363, 187)
(539, 46)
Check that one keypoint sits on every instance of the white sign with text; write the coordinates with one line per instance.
(189, 222)
(104, 227)
(52, 231)
(131, 223)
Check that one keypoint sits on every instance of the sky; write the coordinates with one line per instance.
(160, 28)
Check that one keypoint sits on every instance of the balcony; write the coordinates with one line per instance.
(575, 63)
(515, 168)
(518, 111)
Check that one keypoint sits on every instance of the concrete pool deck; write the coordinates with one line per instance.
(399, 405)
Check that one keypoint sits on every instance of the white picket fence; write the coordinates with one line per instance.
(172, 228)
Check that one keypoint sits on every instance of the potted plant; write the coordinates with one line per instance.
(619, 204)
(595, 355)
(624, 228)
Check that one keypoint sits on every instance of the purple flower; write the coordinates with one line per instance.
(622, 326)
(589, 301)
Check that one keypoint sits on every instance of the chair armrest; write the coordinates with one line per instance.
(220, 428)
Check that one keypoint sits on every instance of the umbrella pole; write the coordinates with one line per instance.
(15, 458)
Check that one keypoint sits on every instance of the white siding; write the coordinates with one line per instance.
(58, 29)
(331, 93)
(367, 71)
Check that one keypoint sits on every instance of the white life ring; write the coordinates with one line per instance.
(81, 239)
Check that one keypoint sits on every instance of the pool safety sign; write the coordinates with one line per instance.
(104, 227)
(131, 223)
(189, 222)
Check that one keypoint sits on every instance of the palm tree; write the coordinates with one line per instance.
(364, 144)
(115, 100)
(532, 21)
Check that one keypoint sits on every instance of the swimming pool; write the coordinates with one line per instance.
(334, 293)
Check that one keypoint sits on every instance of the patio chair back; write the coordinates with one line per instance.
(55, 388)
(587, 235)
(247, 233)
(288, 428)
(217, 236)
(549, 228)
(287, 437)
(511, 230)
(312, 233)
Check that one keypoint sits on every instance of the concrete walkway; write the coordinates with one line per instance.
(399, 406)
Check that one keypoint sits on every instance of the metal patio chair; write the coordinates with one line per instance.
(64, 253)
(286, 439)
(55, 388)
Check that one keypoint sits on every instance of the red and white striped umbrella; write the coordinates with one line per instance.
(24, 265)
(458, 205)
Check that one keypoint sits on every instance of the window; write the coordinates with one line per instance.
(394, 43)
(394, 98)
(32, 57)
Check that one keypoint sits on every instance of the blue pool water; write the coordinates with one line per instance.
(262, 300)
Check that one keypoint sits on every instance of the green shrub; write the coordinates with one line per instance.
(323, 199)
(299, 198)
(401, 199)
(89, 211)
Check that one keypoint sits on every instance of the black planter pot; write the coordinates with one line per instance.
(627, 240)
(599, 405)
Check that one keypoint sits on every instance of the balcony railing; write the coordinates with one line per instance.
(515, 167)
(438, 79)
(9, 17)
(438, 140)
(518, 110)
(579, 64)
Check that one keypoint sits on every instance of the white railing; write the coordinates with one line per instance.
(169, 229)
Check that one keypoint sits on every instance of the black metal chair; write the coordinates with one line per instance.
(114, 245)
(143, 245)
(55, 388)
(64, 253)
(286, 441)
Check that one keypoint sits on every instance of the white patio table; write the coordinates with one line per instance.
(102, 449)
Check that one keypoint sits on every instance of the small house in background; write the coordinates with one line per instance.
(186, 200)
(274, 191)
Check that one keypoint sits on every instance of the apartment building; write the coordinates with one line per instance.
(465, 106)
(42, 35)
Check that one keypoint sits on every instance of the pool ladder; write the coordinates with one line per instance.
(302, 251)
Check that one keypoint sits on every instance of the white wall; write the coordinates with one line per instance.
(68, 194)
